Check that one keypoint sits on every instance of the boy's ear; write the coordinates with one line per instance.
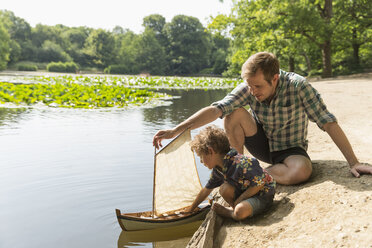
(210, 150)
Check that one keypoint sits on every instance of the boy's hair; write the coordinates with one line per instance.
(264, 61)
(211, 136)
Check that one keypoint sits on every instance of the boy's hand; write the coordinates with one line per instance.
(187, 210)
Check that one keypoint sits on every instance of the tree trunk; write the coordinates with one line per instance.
(291, 64)
(326, 46)
(355, 50)
(326, 57)
(308, 63)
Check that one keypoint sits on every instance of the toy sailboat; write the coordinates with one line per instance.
(176, 184)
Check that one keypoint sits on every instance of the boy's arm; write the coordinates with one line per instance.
(251, 191)
(204, 192)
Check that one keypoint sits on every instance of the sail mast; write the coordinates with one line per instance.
(153, 186)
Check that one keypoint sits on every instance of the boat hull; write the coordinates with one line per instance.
(134, 222)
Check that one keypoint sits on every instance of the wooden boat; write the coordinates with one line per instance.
(177, 236)
(176, 184)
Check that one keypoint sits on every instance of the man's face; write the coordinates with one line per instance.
(260, 88)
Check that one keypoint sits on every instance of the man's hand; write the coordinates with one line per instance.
(359, 168)
(160, 135)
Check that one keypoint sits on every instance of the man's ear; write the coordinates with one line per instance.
(275, 80)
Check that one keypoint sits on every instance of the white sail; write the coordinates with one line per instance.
(176, 180)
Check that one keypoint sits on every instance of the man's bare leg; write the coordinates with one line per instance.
(238, 125)
(294, 169)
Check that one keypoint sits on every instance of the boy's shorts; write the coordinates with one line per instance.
(260, 204)
(258, 146)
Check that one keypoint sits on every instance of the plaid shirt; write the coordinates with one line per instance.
(285, 118)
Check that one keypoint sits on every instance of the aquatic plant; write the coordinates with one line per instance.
(76, 95)
(153, 82)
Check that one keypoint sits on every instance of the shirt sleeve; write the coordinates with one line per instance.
(215, 180)
(235, 99)
(314, 106)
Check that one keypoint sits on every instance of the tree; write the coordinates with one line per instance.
(52, 52)
(353, 30)
(189, 46)
(75, 38)
(219, 53)
(150, 55)
(100, 48)
(19, 31)
(4, 47)
(288, 28)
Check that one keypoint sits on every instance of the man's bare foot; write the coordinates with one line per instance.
(223, 211)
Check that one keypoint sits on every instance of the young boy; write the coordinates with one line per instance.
(245, 186)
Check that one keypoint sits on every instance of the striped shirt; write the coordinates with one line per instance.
(285, 119)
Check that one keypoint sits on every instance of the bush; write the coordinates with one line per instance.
(116, 69)
(62, 67)
(27, 67)
(71, 67)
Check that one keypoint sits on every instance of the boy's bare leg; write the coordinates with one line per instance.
(294, 169)
(227, 192)
(238, 212)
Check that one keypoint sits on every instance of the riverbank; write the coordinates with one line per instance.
(332, 209)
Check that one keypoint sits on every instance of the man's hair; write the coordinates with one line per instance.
(211, 136)
(264, 61)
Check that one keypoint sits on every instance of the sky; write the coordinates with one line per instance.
(107, 14)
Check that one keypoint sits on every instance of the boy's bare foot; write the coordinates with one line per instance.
(223, 211)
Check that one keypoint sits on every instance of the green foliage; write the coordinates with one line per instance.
(75, 95)
(26, 67)
(100, 48)
(4, 47)
(189, 45)
(309, 37)
(116, 69)
(62, 67)
(51, 51)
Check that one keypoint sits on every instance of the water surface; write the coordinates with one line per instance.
(64, 171)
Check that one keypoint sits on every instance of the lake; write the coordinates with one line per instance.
(64, 171)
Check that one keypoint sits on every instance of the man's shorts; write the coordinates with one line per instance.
(258, 147)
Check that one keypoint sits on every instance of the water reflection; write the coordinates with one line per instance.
(11, 114)
(177, 236)
(188, 103)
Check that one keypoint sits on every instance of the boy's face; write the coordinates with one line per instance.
(209, 160)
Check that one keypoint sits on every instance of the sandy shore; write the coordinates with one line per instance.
(332, 209)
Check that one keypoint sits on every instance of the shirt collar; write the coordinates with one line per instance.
(228, 158)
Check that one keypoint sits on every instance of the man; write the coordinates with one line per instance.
(274, 130)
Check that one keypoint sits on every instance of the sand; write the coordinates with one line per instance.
(333, 208)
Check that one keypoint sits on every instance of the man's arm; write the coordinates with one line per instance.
(204, 192)
(339, 138)
(200, 118)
